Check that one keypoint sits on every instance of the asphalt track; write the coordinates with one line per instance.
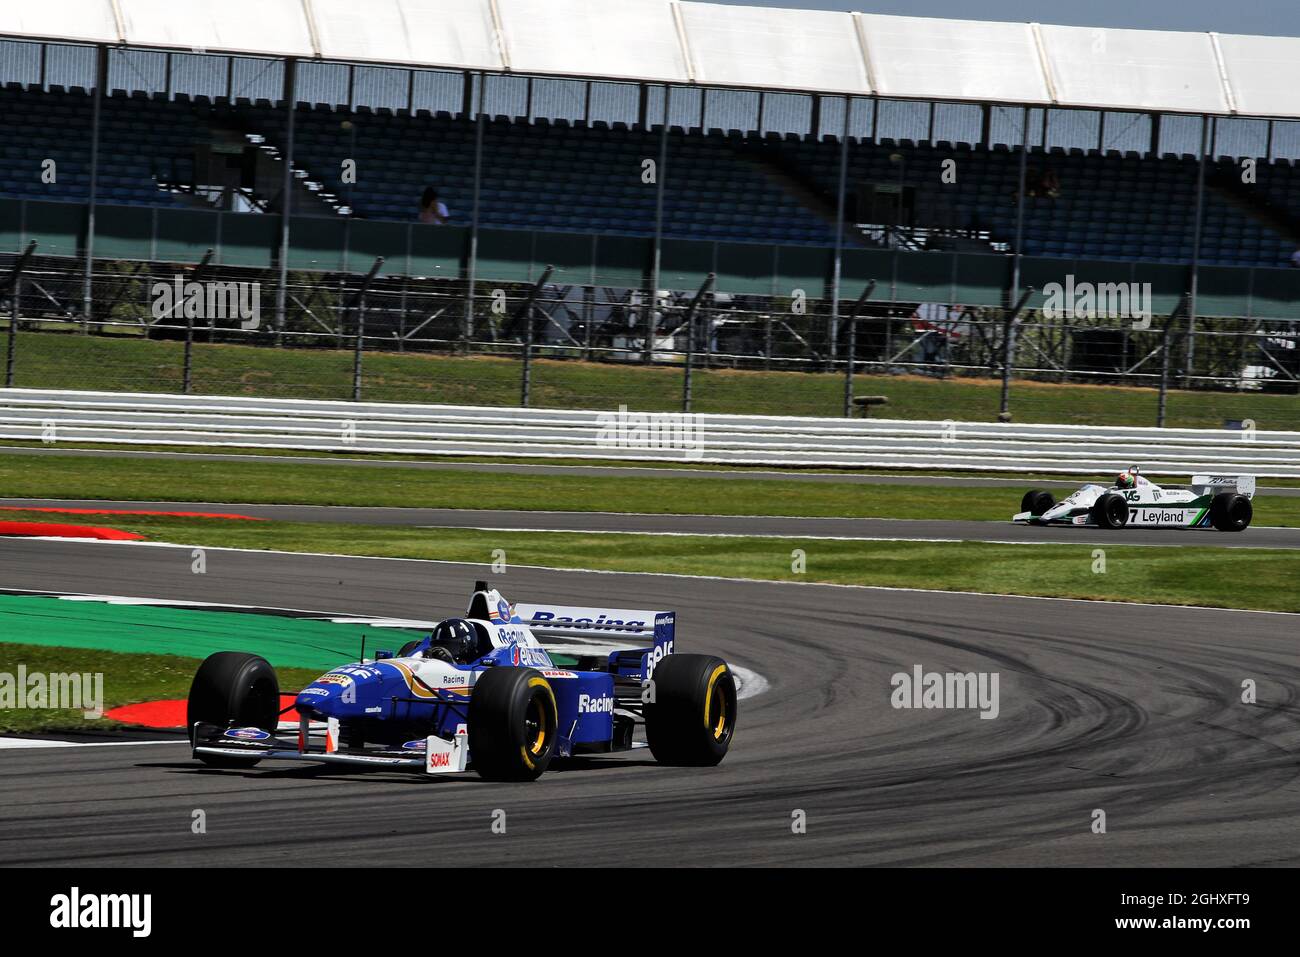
(872, 529)
(1134, 710)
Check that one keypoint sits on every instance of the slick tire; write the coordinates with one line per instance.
(1036, 502)
(1230, 512)
(1111, 510)
(512, 724)
(692, 717)
(233, 690)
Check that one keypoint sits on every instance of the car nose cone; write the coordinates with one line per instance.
(322, 698)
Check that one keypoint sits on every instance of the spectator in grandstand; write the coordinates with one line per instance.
(1044, 182)
(431, 210)
(1050, 184)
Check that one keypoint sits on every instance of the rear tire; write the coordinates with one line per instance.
(1230, 512)
(1111, 510)
(692, 719)
(233, 689)
(1036, 502)
(512, 724)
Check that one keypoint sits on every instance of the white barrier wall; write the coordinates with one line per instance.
(81, 418)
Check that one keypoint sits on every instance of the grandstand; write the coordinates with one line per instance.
(792, 151)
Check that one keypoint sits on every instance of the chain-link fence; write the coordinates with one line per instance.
(215, 330)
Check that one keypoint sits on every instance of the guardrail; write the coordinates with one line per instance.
(56, 417)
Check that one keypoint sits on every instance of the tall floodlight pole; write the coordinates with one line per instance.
(1020, 204)
(286, 197)
(660, 168)
(1194, 281)
(101, 81)
(467, 327)
(838, 268)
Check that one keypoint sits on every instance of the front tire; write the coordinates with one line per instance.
(1036, 502)
(1111, 510)
(1230, 512)
(512, 724)
(692, 718)
(233, 689)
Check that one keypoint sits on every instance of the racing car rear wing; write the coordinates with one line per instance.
(1243, 484)
(615, 625)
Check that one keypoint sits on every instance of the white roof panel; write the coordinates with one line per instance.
(716, 45)
(1134, 69)
(923, 58)
(277, 27)
(453, 33)
(1264, 73)
(628, 39)
(763, 47)
(85, 20)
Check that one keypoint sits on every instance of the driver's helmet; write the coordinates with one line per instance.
(453, 640)
(1126, 480)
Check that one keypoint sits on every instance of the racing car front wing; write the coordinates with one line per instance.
(435, 756)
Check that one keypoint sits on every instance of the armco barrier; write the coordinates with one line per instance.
(371, 427)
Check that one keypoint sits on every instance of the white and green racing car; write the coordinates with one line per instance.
(1210, 501)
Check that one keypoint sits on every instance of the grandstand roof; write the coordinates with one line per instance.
(678, 41)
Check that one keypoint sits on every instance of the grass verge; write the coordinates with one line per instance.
(265, 482)
(1011, 478)
(128, 678)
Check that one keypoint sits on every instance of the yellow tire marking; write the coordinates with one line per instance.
(718, 672)
(541, 734)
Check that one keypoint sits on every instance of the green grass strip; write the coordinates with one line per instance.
(154, 629)
(263, 482)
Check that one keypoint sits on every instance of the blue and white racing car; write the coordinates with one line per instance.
(480, 692)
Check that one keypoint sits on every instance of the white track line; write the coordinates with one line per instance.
(795, 535)
(35, 743)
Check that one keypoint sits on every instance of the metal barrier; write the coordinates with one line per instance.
(57, 418)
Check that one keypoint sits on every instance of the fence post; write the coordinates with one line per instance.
(15, 279)
(286, 197)
(690, 339)
(12, 346)
(1166, 340)
(1009, 353)
(853, 347)
(88, 288)
(359, 345)
(187, 364)
(526, 311)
